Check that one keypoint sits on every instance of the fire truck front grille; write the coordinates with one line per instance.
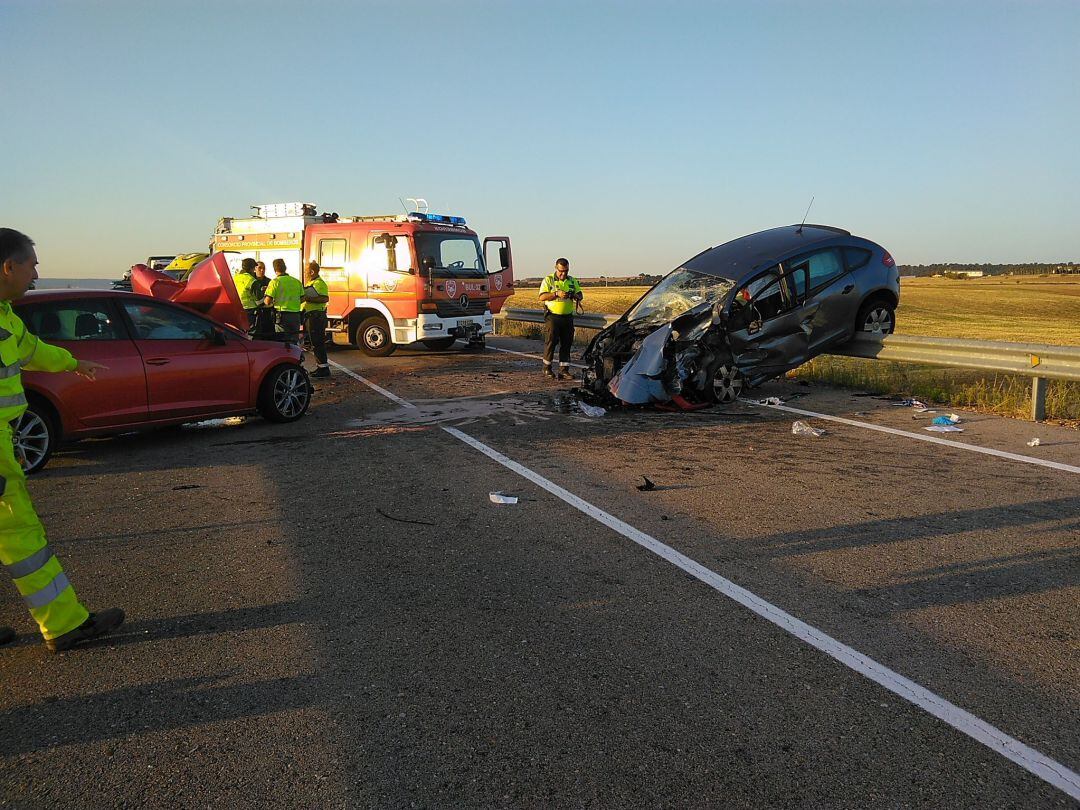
(452, 309)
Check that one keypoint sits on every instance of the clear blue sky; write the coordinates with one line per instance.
(626, 136)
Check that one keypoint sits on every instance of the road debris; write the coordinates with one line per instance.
(948, 419)
(911, 403)
(648, 486)
(403, 520)
(501, 498)
(800, 428)
(944, 429)
(591, 410)
(1034, 442)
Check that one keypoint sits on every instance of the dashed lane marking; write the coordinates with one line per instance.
(1042, 766)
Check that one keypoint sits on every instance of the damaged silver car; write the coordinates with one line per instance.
(742, 313)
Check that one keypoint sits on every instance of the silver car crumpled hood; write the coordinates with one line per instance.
(639, 381)
(638, 363)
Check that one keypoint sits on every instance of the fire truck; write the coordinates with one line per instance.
(392, 279)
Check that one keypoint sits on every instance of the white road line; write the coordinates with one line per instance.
(1042, 766)
(1054, 465)
(1028, 758)
(391, 396)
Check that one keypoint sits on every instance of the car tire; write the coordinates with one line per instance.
(373, 337)
(439, 344)
(727, 383)
(285, 394)
(876, 317)
(36, 436)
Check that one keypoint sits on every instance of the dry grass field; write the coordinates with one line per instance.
(1020, 309)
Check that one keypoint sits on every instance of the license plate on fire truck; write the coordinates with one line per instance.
(466, 326)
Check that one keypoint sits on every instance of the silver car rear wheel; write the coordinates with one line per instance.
(877, 317)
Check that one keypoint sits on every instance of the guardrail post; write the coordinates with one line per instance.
(1038, 399)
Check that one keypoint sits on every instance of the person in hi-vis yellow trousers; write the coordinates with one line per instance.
(24, 553)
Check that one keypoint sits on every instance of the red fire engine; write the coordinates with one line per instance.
(393, 280)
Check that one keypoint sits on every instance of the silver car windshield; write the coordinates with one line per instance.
(679, 291)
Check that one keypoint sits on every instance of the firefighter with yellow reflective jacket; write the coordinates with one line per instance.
(561, 294)
(24, 553)
(245, 287)
(284, 294)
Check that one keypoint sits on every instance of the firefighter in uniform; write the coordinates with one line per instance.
(316, 297)
(561, 293)
(283, 293)
(26, 556)
(245, 287)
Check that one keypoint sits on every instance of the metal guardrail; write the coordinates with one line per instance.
(590, 320)
(1036, 360)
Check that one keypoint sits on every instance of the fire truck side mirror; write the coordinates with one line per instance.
(504, 257)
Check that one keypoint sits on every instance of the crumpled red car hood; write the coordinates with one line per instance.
(209, 289)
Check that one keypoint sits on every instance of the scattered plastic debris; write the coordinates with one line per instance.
(949, 419)
(1034, 442)
(500, 497)
(648, 486)
(591, 410)
(944, 429)
(800, 428)
(911, 403)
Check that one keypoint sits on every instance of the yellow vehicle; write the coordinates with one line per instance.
(181, 266)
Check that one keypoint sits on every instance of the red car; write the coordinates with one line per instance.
(166, 365)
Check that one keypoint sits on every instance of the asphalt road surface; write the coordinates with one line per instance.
(334, 614)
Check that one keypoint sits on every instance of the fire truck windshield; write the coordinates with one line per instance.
(455, 255)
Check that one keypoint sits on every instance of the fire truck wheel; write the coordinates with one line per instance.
(373, 337)
(440, 344)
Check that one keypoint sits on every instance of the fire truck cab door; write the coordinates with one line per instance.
(500, 266)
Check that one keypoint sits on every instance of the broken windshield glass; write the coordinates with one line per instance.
(678, 292)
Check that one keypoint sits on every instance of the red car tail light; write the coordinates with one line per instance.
(888, 260)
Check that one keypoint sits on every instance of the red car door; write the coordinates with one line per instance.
(194, 368)
(90, 329)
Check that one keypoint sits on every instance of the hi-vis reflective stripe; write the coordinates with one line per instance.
(30, 564)
(49, 592)
(4, 333)
(12, 401)
(10, 371)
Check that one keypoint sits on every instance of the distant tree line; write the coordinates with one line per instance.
(956, 270)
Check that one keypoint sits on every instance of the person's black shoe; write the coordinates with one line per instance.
(7, 635)
(565, 375)
(548, 372)
(321, 371)
(97, 625)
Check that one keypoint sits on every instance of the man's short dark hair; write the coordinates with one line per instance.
(14, 245)
(247, 265)
(279, 266)
(562, 263)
